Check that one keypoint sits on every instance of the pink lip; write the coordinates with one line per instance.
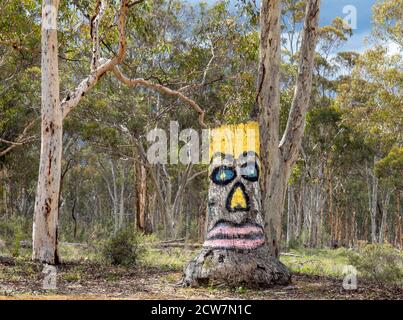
(233, 231)
(234, 243)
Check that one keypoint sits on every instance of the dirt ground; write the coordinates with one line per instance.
(84, 280)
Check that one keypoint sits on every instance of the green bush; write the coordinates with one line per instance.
(294, 243)
(123, 248)
(12, 231)
(381, 263)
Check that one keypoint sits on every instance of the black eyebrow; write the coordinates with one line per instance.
(246, 154)
(222, 156)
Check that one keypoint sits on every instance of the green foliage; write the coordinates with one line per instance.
(388, 20)
(378, 262)
(294, 244)
(72, 276)
(123, 248)
(168, 259)
(391, 167)
(373, 99)
(323, 262)
(12, 231)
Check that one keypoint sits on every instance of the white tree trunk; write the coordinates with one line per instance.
(47, 197)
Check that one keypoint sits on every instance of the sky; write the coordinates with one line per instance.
(333, 8)
(330, 9)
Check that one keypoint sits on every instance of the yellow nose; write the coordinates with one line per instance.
(238, 199)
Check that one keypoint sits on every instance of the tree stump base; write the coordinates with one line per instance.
(254, 269)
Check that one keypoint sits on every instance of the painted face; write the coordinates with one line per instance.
(234, 213)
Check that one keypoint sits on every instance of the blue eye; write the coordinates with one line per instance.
(250, 171)
(223, 175)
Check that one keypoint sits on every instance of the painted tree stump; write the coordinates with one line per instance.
(235, 252)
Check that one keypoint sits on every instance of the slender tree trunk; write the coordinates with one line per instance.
(365, 227)
(374, 202)
(372, 183)
(398, 224)
(299, 212)
(47, 197)
(169, 231)
(337, 228)
(347, 229)
(399, 233)
(122, 201)
(354, 230)
(384, 221)
(187, 225)
(141, 196)
(5, 193)
(73, 215)
(330, 199)
(290, 214)
(311, 216)
(114, 197)
(202, 212)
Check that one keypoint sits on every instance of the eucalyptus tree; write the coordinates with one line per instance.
(53, 111)
(372, 102)
(278, 155)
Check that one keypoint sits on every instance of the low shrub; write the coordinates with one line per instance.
(381, 263)
(12, 231)
(123, 248)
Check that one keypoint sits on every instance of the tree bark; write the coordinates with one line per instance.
(372, 182)
(231, 268)
(385, 207)
(141, 196)
(235, 252)
(6, 186)
(290, 214)
(268, 97)
(330, 197)
(46, 214)
(398, 224)
(122, 221)
(399, 232)
(277, 157)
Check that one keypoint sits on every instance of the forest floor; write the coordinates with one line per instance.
(316, 275)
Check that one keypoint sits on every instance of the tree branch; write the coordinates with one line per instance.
(196, 175)
(292, 138)
(74, 97)
(95, 22)
(21, 139)
(142, 82)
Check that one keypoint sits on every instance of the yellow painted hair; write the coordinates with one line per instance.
(234, 139)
